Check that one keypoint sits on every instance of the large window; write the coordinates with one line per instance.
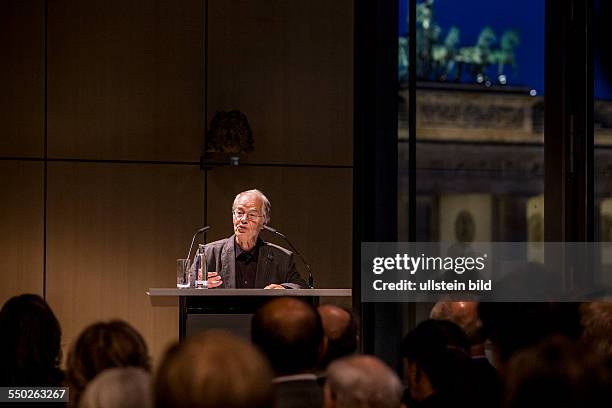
(602, 126)
(479, 120)
(485, 130)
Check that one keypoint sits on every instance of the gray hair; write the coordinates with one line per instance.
(121, 387)
(266, 206)
(363, 382)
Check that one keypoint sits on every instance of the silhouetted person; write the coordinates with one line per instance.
(512, 327)
(465, 315)
(557, 373)
(213, 369)
(100, 346)
(30, 338)
(290, 334)
(438, 369)
(340, 328)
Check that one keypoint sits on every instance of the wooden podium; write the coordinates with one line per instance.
(230, 309)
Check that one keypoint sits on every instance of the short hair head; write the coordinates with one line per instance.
(362, 381)
(266, 207)
(30, 344)
(289, 332)
(120, 387)
(213, 369)
(100, 346)
(440, 349)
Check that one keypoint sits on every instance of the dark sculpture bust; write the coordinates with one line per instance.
(230, 132)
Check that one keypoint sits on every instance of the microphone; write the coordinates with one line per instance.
(201, 230)
(275, 231)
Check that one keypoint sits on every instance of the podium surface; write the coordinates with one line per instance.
(248, 292)
(230, 309)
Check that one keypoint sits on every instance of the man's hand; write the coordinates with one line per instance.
(214, 280)
(274, 286)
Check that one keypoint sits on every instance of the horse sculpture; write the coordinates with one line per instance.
(477, 56)
(504, 55)
(443, 55)
(436, 60)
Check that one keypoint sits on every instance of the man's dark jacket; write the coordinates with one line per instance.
(274, 264)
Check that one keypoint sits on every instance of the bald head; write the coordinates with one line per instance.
(340, 329)
(334, 320)
(361, 381)
(464, 315)
(290, 334)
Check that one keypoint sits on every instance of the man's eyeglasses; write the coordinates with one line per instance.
(251, 216)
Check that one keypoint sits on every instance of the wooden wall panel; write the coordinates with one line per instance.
(311, 206)
(114, 230)
(126, 79)
(22, 76)
(126, 82)
(21, 228)
(288, 65)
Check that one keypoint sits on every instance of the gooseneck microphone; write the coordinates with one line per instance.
(201, 230)
(275, 231)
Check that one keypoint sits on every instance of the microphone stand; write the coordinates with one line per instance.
(275, 231)
(201, 230)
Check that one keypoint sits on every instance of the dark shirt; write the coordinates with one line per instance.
(246, 266)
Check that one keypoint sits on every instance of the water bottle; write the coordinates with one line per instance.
(201, 281)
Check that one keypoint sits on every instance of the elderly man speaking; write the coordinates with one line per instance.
(246, 261)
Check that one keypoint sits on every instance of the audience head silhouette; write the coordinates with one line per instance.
(436, 360)
(100, 346)
(30, 337)
(557, 373)
(340, 328)
(290, 334)
(512, 327)
(213, 369)
(464, 314)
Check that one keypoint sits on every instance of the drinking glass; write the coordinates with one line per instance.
(183, 275)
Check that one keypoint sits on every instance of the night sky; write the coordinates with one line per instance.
(525, 16)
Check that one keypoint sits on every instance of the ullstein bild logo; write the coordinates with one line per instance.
(433, 285)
